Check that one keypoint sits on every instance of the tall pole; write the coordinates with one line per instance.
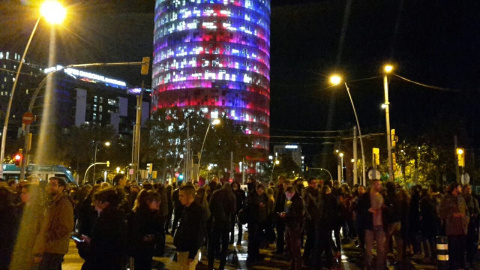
(387, 120)
(339, 170)
(457, 168)
(355, 172)
(201, 150)
(364, 172)
(136, 143)
(231, 165)
(341, 162)
(243, 171)
(187, 157)
(95, 161)
(10, 101)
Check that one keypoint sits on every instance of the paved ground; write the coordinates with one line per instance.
(238, 256)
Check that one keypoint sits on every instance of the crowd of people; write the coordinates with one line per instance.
(123, 223)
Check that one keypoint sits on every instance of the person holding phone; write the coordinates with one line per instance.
(106, 246)
(145, 226)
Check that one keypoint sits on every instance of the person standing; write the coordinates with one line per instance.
(293, 216)
(311, 196)
(146, 224)
(190, 234)
(279, 222)
(107, 243)
(256, 208)
(394, 210)
(8, 224)
(177, 208)
(454, 211)
(472, 234)
(222, 209)
(372, 207)
(51, 243)
(240, 202)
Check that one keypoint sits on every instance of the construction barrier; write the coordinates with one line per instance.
(442, 252)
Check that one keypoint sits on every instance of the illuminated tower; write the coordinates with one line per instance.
(214, 56)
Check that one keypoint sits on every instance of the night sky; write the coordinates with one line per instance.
(434, 42)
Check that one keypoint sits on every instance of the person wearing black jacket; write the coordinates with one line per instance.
(293, 216)
(256, 208)
(222, 209)
(190, 234)
(394, 210)
(145, 226)
(106, 245)
(7, 227)
(178, 209)
(311, 196)
(240, 202)
(279, 222)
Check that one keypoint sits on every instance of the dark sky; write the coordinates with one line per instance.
(435, 42)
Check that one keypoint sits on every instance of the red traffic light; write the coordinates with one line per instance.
(18, 159)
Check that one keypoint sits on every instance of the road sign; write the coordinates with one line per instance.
(28, 118)
(374, 174)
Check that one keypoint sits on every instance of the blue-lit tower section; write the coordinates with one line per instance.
(214, 56)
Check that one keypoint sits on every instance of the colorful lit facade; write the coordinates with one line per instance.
(214, 56)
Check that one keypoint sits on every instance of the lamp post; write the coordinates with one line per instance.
(387, 70)
(214, 122)
(336, 80)
(107, 144)
(341, 168)
(54, 13)
(276, 162)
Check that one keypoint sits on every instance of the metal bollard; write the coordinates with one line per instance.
(442, 252)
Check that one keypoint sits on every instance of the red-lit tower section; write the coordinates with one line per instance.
(214, 56)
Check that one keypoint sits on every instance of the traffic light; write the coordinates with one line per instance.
(18, 158)
(461, 157)
(145, 65)
(180, 177)
(108, 163)
(394, 138)
(149, 167)
(376, 156)
(306, 168)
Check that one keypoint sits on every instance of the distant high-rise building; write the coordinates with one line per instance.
(214, 56)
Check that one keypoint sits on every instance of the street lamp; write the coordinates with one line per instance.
(54, 13)
(336, 80)
(107, 144)
(387, 70)
(214, 122)
(274, 163)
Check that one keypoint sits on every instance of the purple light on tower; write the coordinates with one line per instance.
(214, 56)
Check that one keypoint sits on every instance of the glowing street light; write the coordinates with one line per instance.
(335, 79)
(388, 68)
(53, 12)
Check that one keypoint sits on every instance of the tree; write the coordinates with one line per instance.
(165, 139)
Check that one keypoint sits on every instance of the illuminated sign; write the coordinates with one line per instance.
(291, 146)
(84, 74)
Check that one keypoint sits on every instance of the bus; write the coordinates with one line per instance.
(43, 172)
